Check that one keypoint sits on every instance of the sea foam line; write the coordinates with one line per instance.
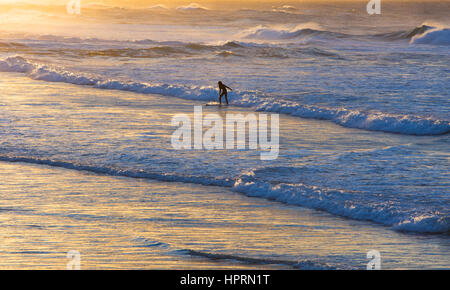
(333, 201)
(343, 204)
(373, 121)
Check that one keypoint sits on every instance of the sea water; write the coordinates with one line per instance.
(364, 144)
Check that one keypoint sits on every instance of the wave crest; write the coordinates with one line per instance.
(192, 7)
(373, 121)
(436, 36)
(284, 33)
(342, 203)
(334, 201)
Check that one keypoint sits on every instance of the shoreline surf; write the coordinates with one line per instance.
(372, 121)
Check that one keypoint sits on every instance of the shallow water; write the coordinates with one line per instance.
(364, 133)
(397, 180)
(321, 165)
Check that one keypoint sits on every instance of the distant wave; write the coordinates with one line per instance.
(153, 49)
(150, 52)
(313, 30)
(12, 45)
(333, 201)
(148, 48)
(156, 51)
(174, 49)
(98, 5)
(283, 33)
(192, 7)
(159, 7)
(408, 34)
(435, 36)
(373, 121)
(424, 34)
(244, 41)
(285, 9)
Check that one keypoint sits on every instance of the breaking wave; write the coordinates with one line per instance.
(373, 121)
(301, 264)
(434, 36)
(283, 33)
(424, 34)
(330, 200)
(192, 7)
(408, 34)
(148, 48)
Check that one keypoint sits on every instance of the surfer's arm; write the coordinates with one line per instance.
(229, 88)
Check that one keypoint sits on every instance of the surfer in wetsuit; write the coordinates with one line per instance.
(223, 92)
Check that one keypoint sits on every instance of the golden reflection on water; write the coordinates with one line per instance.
(126, 223)
(123, 223)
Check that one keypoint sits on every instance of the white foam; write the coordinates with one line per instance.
(424, 224)
(374, 121)
(333, 201)
(345, 204)
(279, 32)
(192, 6)
(159, 7)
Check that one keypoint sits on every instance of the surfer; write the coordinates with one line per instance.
(223, 92)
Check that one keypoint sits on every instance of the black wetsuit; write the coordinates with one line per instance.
(223, 92)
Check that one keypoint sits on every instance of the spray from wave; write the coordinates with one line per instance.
(278, 32)
(192, 7)
(424, 34)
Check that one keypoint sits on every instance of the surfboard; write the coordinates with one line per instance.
(213, 104)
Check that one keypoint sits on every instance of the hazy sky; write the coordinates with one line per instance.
(212, 4)
(171, 3)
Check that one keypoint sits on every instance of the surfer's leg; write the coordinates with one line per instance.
(226, 98)
(220, 98)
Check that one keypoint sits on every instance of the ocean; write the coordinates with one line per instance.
(86, 162)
